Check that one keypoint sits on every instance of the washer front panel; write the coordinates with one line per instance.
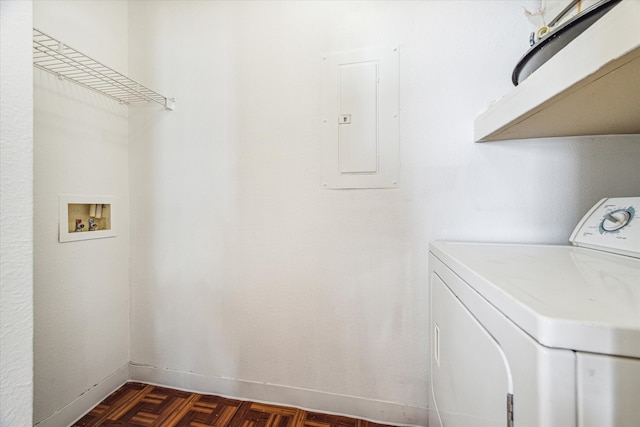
(464, 356)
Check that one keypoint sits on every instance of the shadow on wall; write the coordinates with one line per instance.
(536, 191)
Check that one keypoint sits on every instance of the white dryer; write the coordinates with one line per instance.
(539, 335)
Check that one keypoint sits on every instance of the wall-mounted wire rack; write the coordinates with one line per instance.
(55, 57)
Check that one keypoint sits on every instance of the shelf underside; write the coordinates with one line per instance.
(590, 87)
(607, 103)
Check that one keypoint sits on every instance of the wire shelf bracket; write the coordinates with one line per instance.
(57, 58)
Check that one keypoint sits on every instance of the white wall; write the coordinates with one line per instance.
(16, 209)
(247, 277)
(81, 288)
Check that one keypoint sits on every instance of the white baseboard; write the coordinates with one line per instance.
(313, 400)
(87, 400)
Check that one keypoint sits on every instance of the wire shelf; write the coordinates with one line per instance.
(55, 57)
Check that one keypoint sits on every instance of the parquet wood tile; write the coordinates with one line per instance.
(143, 405)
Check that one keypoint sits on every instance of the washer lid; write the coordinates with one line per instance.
(563, 296)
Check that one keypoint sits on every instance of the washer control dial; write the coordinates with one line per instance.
(612, 225)
(617, 219)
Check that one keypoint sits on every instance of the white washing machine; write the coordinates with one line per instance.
(539, 335)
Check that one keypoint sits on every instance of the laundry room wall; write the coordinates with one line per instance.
(81, 289)
(247, 276)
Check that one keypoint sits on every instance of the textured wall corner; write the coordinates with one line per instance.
(16, 209)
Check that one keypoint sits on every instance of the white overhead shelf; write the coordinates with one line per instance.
(55, 57)
(591, 87)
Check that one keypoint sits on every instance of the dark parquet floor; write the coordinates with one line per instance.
(136, 404)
